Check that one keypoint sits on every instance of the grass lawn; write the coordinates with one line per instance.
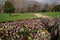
(6, 17)
(51, 14)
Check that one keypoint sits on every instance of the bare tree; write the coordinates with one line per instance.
(19, 5)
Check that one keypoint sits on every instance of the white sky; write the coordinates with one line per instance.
(47, 1)
(44, 1)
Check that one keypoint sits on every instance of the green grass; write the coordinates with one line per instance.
(51, 14)
(6, 17)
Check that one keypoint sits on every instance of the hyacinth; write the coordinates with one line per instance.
(1, 29)
(30, 29)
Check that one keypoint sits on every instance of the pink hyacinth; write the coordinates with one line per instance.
(10, 33)
(0, 24)
(33, 35)
(26, 21)
(14, 36)
(21, 39)
(3, 35)
(6, 29)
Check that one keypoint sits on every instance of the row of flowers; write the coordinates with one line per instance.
(29, 29)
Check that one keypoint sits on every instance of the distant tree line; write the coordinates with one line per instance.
(17, 7)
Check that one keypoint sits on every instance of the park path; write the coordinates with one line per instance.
(40, 15)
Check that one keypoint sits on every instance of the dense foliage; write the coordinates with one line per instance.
(8, 7)
(57, 8)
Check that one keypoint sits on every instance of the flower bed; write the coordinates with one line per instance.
(29, 29)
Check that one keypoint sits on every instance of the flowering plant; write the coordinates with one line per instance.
(31, 29)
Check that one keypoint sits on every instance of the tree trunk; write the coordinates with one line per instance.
(9, 14)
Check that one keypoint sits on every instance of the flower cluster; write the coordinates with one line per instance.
(29, 29)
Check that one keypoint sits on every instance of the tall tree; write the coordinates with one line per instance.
(57, 8)
(8, 7)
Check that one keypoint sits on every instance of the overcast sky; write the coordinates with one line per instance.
(2, 1)
(47, 1)
(44, 1)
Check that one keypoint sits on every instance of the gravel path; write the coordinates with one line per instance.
(40, 15)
